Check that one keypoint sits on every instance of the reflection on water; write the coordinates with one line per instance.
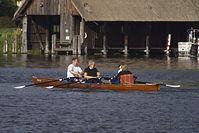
(110, 62)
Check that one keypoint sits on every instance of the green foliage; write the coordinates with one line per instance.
(7, 7)
(5, 30)
(2, 37)
(10, 33)
(7, 10)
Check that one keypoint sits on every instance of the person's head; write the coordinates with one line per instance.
(124, 67)
(120, 66)
(74, 61)
(91, 64)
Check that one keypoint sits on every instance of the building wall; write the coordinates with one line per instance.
(50, 7)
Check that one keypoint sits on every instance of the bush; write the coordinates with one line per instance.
(10, 32)
(6, 22)
(7, 7)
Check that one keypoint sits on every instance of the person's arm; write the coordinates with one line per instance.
(89, 77)
(80, 72)
(74, 73)
(135, 77)
(70, 69)
(98, 74)
(118, 75)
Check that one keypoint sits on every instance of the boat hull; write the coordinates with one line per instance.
(137, 87)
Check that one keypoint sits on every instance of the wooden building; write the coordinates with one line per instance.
(106, 25)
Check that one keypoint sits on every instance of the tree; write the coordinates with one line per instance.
(7, 7)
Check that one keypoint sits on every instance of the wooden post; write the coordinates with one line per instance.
(53, 44)
(14, 45)
(85, 50)
(147, 45)
(82, 24)
(5, 46)
(148, 32)
(79, 40)
(126, 45)
(66, 27)
(198, 47)
(75, 44)
(104, 39)
(47, 46)
(168, 44)
(104, 44)
(47, 36)
(24, 48)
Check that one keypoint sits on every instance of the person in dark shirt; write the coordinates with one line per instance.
(124, 71)
(91, 74)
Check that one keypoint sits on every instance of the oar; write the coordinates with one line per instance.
(50, 87)
(106, 78)
(160, 83)
(141, 82)
(19, 87)
(174, 86)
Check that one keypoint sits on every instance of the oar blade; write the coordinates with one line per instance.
(49, 87)
(20, 87)
(174, 86)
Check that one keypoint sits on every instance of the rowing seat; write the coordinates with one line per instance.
(127, 79)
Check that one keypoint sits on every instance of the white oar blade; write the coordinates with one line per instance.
(19, 87)
(49, 87)
(175, 86)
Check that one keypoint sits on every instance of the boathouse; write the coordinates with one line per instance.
(82, 26)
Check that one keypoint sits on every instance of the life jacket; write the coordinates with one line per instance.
(127, 79)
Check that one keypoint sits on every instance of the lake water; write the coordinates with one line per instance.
(38, 110)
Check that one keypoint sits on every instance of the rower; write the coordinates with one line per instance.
(124, 76)
(74, 70)
(91, 74)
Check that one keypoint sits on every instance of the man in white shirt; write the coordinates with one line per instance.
(74, 70)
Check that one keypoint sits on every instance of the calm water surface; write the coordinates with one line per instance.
(38, 110)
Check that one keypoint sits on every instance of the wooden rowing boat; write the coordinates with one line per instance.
(137, 87)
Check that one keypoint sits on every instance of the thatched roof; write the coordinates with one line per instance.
(138, 10)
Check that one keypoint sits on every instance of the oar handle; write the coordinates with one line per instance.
(106, 78)
(50, 87)
(39, 83)
(48, 81)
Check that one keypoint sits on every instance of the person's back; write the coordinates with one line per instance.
(127, 79)
(124, 76)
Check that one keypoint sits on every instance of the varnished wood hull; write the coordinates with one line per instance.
(137, 87)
